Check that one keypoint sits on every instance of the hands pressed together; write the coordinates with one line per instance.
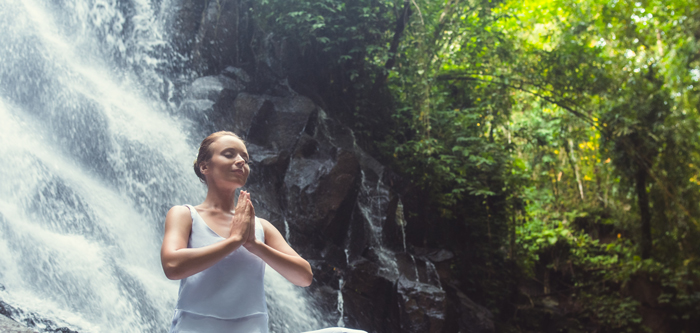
(243, 222)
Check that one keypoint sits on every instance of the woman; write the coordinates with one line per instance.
(219, 251)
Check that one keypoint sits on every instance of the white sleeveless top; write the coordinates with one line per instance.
(226, 297)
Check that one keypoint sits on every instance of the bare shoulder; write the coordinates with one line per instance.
(178, 226)
(179, 215)
(265, 223)
(267, 226)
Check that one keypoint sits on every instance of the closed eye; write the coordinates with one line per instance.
(230, 153)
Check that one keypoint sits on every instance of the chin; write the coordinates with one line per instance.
(230, 183)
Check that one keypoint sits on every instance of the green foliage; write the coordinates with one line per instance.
(564, 134)
(349, 33)
(465, 157)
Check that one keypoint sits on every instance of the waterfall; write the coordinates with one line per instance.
(433, 275)
(286, 230)
(341, 302)
(372, 200)
(93, 157)
(401, 221)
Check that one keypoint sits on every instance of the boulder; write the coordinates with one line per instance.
(336, 205)
(422, 306)
(15, 320)
(209, 33)
(370, 299)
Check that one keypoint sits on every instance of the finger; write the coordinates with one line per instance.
(241, 200)
(252, 209)
(252, 219)
(245, 207)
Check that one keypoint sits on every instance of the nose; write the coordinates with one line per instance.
(240, 161)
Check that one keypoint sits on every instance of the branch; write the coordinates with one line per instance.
(394, 46)
(645, 163)
(521, 87)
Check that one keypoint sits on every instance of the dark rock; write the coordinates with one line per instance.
(319, 182)
(245, 107)
(472, 317)
(394, 225)
(10, 326)
(423, 307)
(279, 123)
(236, 73)
(435, 255)
(31, 320)
(217, 43)
(186, 24)
(441, 255)
(337, 205)
(370, 300)
(207, 103)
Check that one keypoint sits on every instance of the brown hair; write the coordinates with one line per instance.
(205, 153)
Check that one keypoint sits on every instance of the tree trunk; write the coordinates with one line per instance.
(574, 166)
(514, 223)
(644, 212)
(394, 45)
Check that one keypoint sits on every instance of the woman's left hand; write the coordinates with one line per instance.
(250, 240)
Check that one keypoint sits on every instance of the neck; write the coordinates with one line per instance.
(219, 198)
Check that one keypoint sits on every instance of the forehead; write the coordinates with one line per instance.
(226, 142)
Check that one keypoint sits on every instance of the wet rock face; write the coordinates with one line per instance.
(474, 317)
(336, 205)
(422, 306)
(330, 199)
(305, 167)
(208, 32)
(370, 299)
(19, 321)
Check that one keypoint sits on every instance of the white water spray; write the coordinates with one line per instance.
(372, 200)
(92, 160)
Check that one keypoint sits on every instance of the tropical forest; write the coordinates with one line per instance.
(552, 145)
(443, 165)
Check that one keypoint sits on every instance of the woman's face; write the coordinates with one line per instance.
(228, 163)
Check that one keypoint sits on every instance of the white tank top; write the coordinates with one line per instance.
(233, 287)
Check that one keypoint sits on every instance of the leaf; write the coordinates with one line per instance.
(519, 163)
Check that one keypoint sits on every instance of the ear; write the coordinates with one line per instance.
(203, 168)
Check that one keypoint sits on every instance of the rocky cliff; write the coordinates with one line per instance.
(337, 205)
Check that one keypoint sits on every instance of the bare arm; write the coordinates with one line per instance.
(179, 261)
(280, 256)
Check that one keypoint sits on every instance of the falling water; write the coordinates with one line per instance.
(433, 275)
(286, 229)
(372, 200)
(341, 304)
(401, 221)
(92, 160)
